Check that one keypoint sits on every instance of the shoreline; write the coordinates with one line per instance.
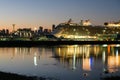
(13, 76)
(52, 43)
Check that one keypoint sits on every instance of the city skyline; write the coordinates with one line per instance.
(35, 13)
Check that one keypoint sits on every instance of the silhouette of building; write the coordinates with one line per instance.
(25, 32)
(40, 29)
(53, 27)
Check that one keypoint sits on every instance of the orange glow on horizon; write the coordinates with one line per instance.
(17, 26)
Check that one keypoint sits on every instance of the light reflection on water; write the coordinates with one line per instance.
(65, 62)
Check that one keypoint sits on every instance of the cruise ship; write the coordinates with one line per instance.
(84, 31)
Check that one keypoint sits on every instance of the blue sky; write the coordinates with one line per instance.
(35, 13)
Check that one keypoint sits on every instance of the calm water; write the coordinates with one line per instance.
(75, 62)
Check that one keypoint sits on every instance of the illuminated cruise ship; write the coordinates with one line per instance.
(84, 31)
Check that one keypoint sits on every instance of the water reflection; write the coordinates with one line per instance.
(75, 61)
(87, 55)
(35, 59)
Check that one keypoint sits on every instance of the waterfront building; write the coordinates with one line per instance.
(47, 31)
(4, 35)
(53, 27)
(7, 31)
(4, 32)
(25, 32)
(40, 29)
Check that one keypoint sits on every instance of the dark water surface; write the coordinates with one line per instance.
(65, 62)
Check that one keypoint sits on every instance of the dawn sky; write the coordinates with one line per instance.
(35, 13)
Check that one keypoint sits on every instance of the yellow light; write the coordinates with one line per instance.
(35, 28)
